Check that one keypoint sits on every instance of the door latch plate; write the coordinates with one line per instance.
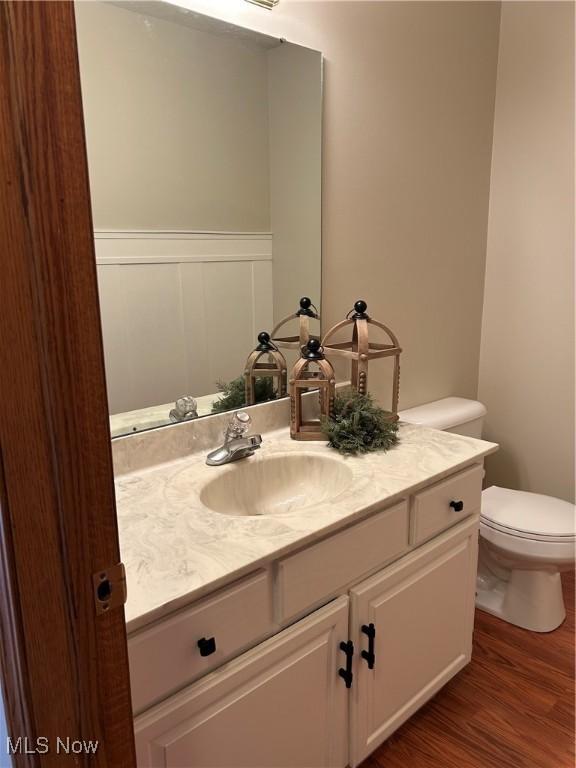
(109, 588)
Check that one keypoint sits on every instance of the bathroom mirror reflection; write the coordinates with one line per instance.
(204, 152)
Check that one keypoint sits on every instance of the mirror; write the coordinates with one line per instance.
(204, 152)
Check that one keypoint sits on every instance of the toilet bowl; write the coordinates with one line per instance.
(526, 539)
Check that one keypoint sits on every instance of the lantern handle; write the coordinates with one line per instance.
(349, 320)
(387, 330)
(335, 328)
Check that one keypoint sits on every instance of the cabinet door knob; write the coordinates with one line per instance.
(207, 646)
(457, 506)
(346, 674)
(369, 656)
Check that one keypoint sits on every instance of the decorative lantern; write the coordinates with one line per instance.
(306, 312)
(361, 350)
(266, 361)
(311, 371)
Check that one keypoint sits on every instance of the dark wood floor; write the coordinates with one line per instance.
(512, 707)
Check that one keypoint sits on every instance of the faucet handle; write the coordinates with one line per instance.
(239, 424)
(186, 405)
(185, 408)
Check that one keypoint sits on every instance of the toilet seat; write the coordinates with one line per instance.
(531, 516)
(531, 537)
(544, 550)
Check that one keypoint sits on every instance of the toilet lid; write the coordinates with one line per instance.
(528, 514)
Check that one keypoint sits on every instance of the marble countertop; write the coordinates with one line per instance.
(175, 549)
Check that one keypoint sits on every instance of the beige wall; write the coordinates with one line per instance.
(527, 360)
(148, 142)
(409, 107)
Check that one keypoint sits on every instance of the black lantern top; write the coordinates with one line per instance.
(360, 308)
(313, 350)
(264, 345)
(307, 308)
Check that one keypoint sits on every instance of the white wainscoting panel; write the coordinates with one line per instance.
(180, 311)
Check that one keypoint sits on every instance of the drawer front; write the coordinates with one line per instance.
(167, 656)
(446, 503)
(319, 571)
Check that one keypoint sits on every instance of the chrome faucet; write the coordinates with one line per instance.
(237, 445)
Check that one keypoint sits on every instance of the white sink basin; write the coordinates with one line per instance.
(276, 485)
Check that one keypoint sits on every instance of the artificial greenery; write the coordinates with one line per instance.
(359, 425)
(233, 393)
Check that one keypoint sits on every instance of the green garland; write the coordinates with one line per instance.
(358, 425)
(233, 393)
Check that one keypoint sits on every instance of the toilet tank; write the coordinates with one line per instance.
(452, 414)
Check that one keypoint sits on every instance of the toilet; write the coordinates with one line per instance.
(526, 539)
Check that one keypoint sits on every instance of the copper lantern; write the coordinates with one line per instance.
(266, 361)
(311, 371)
(360, 350)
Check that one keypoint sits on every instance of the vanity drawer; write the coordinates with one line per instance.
(318, 572)
(438, 507)
(166, 657)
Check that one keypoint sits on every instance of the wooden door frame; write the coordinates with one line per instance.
(64, 668)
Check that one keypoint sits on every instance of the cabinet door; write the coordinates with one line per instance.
(281, 704)
(422, 610)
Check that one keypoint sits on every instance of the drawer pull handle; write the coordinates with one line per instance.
(346, 674)
(207, 646)
(457, 506)
(369, 656)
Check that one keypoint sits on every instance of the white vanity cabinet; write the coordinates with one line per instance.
(398, 591)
